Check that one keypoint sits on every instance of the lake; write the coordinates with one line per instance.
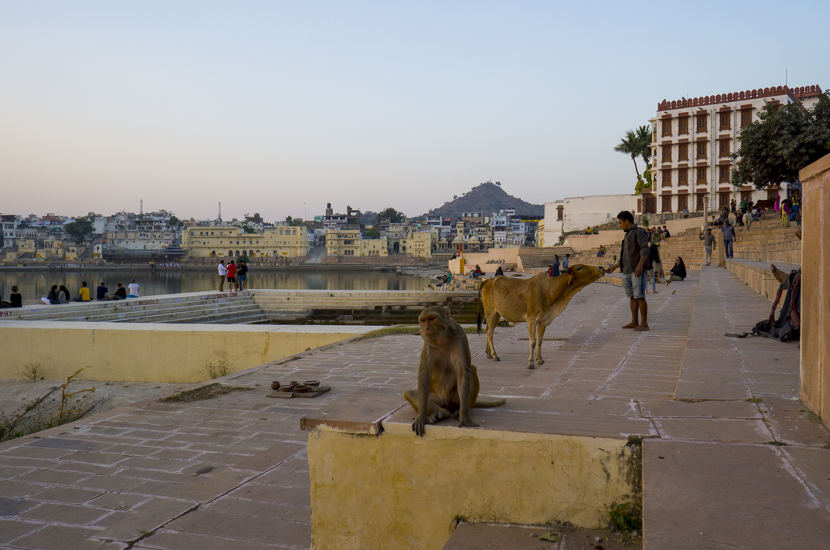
(34, 284)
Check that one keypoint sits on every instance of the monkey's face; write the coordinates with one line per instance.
(433, 326)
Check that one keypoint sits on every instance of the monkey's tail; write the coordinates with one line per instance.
(484, 401)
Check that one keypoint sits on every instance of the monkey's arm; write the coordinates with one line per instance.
(424, 376)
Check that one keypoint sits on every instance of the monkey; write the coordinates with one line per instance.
(447, 380)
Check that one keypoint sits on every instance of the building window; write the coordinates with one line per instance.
(683, 151)
(701, 149)
(666, 153)
(683, 176)
(667, 203)
(559, 211)
(701, 199)
(701, 175)
(724, 121)
(746, 118)
(701, 122)
(723, 150)
(723, 200)
(683, 125)
(682, 202)
(723, 174)
(666, 178)
(667, 127)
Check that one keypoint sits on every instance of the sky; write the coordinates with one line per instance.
(281, 107)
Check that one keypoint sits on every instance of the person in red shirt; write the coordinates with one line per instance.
(232, 275)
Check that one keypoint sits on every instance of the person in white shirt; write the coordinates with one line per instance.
(132, 289)
(223, 272)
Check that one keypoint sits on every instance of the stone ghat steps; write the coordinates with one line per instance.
(192, 308)
(80, 311)
(381, 307)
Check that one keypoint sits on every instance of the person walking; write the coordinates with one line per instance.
(554, 267)
(223, 272)
(653, 264)
(565, 261)
(708, 244)
(728, 238)
(633, 261)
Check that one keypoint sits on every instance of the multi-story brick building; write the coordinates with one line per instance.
(692, 140)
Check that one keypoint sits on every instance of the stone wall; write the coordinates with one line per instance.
(815, 288)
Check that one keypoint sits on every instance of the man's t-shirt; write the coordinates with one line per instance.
(101, 293)
(222, 270)
(121, 292)
(232, 270)
(133, 288)
(84, 294)
(16, 299)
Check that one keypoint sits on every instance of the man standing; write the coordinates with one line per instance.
(633, 259)
(728, 237)
(565, 262)
(242, 274)
(223, 272)
(708, 244)
(231, 276)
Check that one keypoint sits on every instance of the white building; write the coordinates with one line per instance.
(578, 213)
(692, 140)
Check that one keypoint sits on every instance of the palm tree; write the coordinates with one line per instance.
(636, 143)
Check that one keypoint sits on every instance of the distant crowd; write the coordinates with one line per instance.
(59, 294)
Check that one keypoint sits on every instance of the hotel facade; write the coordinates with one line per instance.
(692, 143)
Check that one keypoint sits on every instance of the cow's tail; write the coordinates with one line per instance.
(479, 311)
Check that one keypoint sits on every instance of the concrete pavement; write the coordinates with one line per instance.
(730, 457)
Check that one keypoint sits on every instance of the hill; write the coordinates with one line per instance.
(486, 197)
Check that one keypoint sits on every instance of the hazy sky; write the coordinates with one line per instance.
(279, 107)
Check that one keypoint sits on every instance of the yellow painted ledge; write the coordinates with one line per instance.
(148, 352)
(396, 490)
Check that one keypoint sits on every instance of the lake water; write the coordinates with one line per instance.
(34, 284)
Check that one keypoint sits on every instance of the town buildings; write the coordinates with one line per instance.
(692, 143)
(224, 241)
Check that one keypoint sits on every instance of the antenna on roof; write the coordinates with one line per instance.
(785, 77)
(220, 211)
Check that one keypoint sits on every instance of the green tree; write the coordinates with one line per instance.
(80, 229)
(174, 221)
(294, 221)
(391, 215)
(785, 139)
(371, 233)
(636, 143)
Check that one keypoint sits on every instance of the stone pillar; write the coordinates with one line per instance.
(815, 288)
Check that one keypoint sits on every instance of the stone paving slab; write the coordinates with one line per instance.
(231, 472)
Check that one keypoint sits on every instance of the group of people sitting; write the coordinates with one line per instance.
(477, 272)
(658, 233)
(59, 294)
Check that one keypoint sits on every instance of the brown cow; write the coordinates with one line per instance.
(538, 301)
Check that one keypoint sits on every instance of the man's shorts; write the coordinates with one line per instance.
(635, 287)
